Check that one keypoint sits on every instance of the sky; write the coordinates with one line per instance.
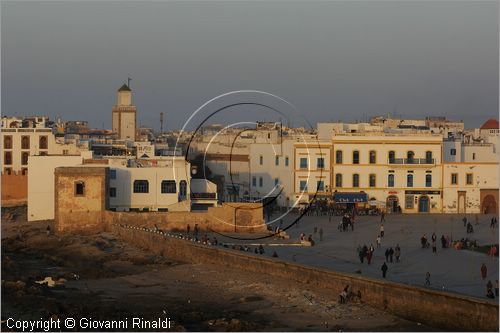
(332, 60)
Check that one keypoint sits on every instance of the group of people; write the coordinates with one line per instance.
(348, 295)
(308, 239)
(493, 222)
(346, 222)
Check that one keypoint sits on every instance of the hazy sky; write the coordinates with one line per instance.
(333, 60)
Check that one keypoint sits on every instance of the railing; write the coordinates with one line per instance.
(411, 161)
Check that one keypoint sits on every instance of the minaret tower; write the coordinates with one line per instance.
(124, 115)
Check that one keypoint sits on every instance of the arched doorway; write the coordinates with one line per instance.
(489, 205)
(423, 204)
(392, 204)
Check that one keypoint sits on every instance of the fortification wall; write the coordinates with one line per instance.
(437, 309)
(14, 188)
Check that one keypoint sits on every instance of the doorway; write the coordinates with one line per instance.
(423, 204)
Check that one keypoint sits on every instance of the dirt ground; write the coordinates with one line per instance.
(106, 279)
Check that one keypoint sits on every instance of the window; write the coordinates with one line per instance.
(24, 158)
(182, 189)
(112, 173)
(7, 158)
(303, 185)
(43, 153)
(355, 180)
(168, 186)
(303, 162)
(43, 142)
(65, 152)
(286, 161)
(373, 180)
(320, 185)
(141, 186)
(8, 171)
(276, 181)
(390, 180)
(261, 182)
(454, 178)
(254, 181)
(7, 142)
(428, 180)
(410, 156)
(355, 157)
(79, 188)
(373, 157)
(338, 180)
(338, 157)
(24, 171)
(409, 201)
(268, 135)
(428, 157)
(453, 151)
(409, 180)
(473, 156)
(261, 159)
(392, 156)
(468, 179)
(320, 163)
(112, 192)
(25, 142)
(277, 160)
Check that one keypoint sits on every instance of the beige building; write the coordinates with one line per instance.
(124, 115)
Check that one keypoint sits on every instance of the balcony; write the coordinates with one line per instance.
(412, 161)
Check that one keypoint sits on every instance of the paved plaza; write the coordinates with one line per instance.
(454, 270)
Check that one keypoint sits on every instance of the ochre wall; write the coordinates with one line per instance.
(14, 188)
(230, 217)
(437, 309)
(80, 213)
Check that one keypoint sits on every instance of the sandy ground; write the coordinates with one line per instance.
(107, 279)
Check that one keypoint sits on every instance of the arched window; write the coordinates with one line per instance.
(24, 158)
(355, 157)
(43, 142)
(338, 157)
(338, 180)
(373, 157)
(409, 180)
(355, 180)
(182, 189)
(25, 142)
(410, 156)
(7, 142)
(141, 186)
(428, 180)
(392, 156)
(372, 180)
(390, 180)
(428, 157)
(7, 158)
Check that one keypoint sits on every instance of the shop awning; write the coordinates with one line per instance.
(346, 197)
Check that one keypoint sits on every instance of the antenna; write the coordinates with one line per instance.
(128, 81)
(161, 122)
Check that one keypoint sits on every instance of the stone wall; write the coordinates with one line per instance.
(75, 212)
(14, 188)
(434, 308)
(230, 217)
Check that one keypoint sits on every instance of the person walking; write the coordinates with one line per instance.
(434, 248)
(427, 279)
(492, 224)
(378, 241)
(382, 230)
(433, 237)
(397, 252)
(391, 254)
(382, 217)
(443, 241)
(369, 255)
(188, 229)
(384, 270)
(321, 234)
(484, 271)
(465, 221)
(386, 255)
